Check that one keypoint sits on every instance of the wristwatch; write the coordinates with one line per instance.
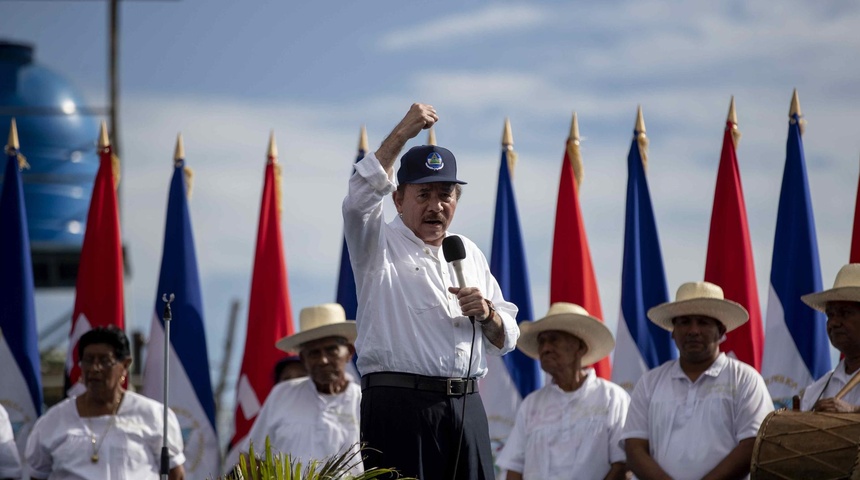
(492, 314)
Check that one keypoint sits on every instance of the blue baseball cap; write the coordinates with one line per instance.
(428, 164)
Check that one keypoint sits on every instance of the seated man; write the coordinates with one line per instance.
(317, 416)
(841, 304)
(570, 428)
(696, 417)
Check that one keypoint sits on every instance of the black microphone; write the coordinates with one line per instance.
(455, 253)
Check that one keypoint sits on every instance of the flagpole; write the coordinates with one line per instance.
(168, 316)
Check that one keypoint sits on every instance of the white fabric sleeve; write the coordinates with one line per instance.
(363, 217)
(636, 424)
(38, 457)
(10, 462)
(506, 310)
(621, 404)
(513, 454)
(175, 444)
(752, 404)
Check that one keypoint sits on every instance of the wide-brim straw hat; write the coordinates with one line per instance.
(700, 298)
(846, 288)
(319, 321)
(575, 320)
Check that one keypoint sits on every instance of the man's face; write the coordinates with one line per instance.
(325, 359)
(697, 337)
(843, 326)
(560, 352)
(427, 209)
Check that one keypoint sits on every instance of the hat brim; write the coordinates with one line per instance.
(731, 314)
(819, 300)
(589, 329)
(434, 179)
(293, 342)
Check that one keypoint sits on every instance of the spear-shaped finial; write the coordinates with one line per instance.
(179, 151)
(104, 140)
(508, 146)
(507, 136)
(732, 119)
(574, 129)
(13, 137)
(273, 149)
(642, 139)
(431, 136)
(362, 140)
(573, 153)
(794, 113)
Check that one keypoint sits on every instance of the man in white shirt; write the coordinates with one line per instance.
(696, 417)
(572, 427)
(418, 352)
(317, 416)
(841, 304)
(10, 462)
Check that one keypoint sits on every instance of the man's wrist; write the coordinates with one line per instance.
(490, 316)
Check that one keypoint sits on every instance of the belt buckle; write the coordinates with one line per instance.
(450, 384)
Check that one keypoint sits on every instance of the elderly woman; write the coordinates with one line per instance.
(106, 432)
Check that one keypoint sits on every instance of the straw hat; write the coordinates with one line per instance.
(320, 321)
(846, 288)
(700, 298)
(575, 320)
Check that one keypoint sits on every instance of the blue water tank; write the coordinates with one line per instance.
(58, 136)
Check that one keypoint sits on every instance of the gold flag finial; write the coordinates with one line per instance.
(573, 153)
(794, 111)
(507, 136)
(362, 140)
(104, 140)
(431, 136)
(273, 149)
(508, 147)
(732, 119)
(641, 138)
(13, 137)
(179, 151)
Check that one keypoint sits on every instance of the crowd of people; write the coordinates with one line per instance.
(429, 314)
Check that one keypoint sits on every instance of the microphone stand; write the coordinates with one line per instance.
(168, 316)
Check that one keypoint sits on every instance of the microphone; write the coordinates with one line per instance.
(455, 253)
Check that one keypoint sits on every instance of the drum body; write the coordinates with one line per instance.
(807, 445)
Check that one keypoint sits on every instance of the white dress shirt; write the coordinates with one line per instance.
(307, 424)
(407, 320)
(562, 435)
(128, 443)
(691, 426)
(837, 379)
(10, 463)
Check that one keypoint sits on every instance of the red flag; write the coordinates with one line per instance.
(855, 236)
(572, 276)
(98, 293)
(730, 260)
(269, 311)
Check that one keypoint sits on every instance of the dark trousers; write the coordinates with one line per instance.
(417, 433)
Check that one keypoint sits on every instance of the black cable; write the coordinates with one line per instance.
(463, 413)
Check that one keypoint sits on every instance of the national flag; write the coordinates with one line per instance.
(269, 312)
(511, 377)
(99, 289)
(346, 295)
(572, 275)
(640, 345)
(730, 257)
(796, 351)
(189, 384)
(21, 382)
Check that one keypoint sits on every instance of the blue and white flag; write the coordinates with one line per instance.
(640, 345)
(796, 348)
(511, 377)
(21, 381)
(190, 388)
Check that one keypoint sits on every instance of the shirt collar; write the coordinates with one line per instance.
(713, 371)
(588, 383)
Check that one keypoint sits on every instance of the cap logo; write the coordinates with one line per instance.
(434, 161)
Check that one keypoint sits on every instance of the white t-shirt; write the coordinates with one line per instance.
(690, 426)
(307, 424)
(566, 435)
(407, 320)
(838, 378)
(10, 464)
(60, 445)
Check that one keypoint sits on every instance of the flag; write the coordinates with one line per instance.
(99, 289)
(511, 377)
(640, 345)
(796, 350)
(730, 258)
(21, 382)
(855, 235)
(346, 295)
(269, 311)
(190, 388)
(572, 275)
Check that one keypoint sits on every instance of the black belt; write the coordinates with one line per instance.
(448, 386)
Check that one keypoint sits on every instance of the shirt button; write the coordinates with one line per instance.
(426, 250)
(456, 324)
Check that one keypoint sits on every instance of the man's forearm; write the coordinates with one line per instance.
(640, 461)
(617, 471)
(736, 464)
(494, 330)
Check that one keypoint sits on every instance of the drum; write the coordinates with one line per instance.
(807, 445)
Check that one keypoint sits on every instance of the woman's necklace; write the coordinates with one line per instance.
(97, 443)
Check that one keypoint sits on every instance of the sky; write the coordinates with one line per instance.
(226, 73)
